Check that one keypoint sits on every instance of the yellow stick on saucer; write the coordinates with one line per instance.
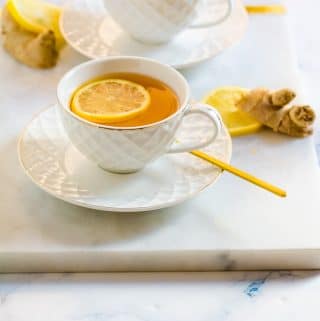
(266, 9)
(248, 177)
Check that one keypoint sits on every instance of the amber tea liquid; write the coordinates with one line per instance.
(164, 101)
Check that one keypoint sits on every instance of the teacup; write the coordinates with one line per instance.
(157, 21)
(129, 149)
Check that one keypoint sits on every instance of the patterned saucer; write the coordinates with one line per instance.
(89, 29)
(51, 162)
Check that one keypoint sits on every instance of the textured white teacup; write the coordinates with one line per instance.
(128, 149)
(157, 21)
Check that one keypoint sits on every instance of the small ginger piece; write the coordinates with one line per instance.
(34, 50)
(273, 109)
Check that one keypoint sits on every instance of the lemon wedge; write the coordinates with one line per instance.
(110, 100)
(238, 122)
(36, 16)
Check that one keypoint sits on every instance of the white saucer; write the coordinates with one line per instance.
(87, 27)
(51, 162)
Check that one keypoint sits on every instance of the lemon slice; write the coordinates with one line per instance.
(110, 100)
(36, 16)
(238, 122)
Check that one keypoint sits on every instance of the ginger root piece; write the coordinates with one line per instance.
(272, 110)
(34, 50)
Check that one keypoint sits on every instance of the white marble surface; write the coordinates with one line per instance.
(207, 232)
(263, 296)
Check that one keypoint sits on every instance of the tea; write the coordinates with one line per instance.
(162, 100)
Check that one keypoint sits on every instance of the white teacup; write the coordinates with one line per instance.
(129, 149)
(157, 21)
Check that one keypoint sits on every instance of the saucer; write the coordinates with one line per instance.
(88, 28)
(56, 166)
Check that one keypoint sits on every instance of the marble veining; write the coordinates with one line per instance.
(160, 296)
(255, 286)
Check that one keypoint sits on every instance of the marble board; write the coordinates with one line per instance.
(230, 225)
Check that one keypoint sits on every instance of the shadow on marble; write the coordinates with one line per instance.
(28, 210)
(72, 225)
(266, 137)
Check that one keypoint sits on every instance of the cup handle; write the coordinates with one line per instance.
(206, 24)
(215, 119)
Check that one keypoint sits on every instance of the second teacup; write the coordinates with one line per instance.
(128, 149)
(157, 21)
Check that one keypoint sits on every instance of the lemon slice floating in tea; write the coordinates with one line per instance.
(36, 16)
(225, 99)
(110, 100)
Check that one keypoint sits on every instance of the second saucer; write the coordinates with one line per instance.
(89, 29)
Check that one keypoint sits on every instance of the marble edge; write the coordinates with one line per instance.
(159, 261)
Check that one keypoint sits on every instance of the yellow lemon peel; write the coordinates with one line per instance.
(238, 122)
(36, 16)
(110, 100)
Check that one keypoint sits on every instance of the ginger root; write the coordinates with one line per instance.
(273, 110)
(34, 50)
